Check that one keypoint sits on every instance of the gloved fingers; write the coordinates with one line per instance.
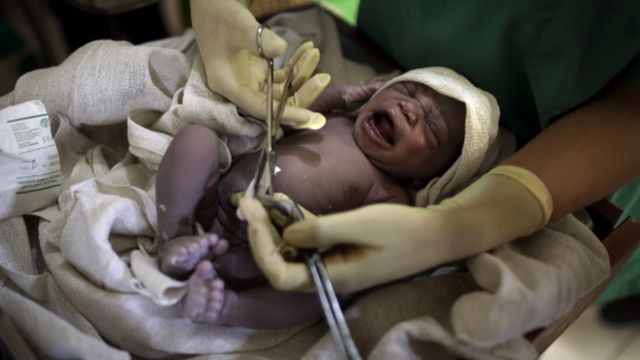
(306, 94)
(302, 70)
(265, 245)
(306, 234)
(304, 67)
(281, 74)
(276, 216)
(254, 102)
(283, 197)
(280, 196)
(234, 199)
(349, 269)
(369, 226)
(272, 44)
(299, 118)
(309, 92)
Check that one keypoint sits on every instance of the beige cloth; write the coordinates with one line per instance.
(100, 295)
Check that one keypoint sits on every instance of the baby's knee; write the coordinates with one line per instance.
(198, 140)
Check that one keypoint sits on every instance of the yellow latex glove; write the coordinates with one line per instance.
(225, 31)
(387, 242)
(278, 218)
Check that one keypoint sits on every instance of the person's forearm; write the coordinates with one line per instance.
(588, 153)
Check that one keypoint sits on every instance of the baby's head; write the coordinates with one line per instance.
(411, 131)
(417, 125)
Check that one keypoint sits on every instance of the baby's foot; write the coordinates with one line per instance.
(205, 295)
(181, 255)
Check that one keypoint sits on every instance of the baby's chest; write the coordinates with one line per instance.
(329, 185)
(324, 172)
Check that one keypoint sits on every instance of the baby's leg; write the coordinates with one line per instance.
(188, 170)
(260, 307)
(179, 256)
(187, 174)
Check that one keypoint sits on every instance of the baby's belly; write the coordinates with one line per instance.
(323, 171)
(320, 185)
(315, 190)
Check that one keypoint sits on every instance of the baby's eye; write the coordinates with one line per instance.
(410, 89)
(430, 123)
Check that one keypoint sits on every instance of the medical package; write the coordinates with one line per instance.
(29, 160)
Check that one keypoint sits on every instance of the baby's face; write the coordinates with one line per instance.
(410, 131)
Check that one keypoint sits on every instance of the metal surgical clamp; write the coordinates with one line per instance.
(261, 187)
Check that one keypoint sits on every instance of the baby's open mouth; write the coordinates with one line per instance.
(382, 127)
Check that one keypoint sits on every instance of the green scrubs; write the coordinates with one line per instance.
(540, 58)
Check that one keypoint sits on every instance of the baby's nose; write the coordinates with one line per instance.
(410, 110)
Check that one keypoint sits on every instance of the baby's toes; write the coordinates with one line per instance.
(204, 272)
(193, 247)
(215, 301)
(181, 255)
(211, 239)
(177, 255)
(217, 246)
(221, 247)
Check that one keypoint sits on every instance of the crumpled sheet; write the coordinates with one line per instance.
(100, 295)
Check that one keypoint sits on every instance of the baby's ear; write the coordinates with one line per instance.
(417, 184)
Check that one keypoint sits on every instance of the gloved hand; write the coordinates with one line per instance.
(388, 242)
(277, 217)
(225, 32)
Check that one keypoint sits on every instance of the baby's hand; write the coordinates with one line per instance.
(347, 97)
(356, 95)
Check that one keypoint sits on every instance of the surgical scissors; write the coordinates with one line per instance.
(261, 187)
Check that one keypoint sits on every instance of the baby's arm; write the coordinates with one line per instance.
(330, 99)
(337, 97)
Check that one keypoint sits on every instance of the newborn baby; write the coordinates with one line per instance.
(404, 135)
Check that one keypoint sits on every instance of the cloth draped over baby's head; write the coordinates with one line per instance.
(479, 149)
